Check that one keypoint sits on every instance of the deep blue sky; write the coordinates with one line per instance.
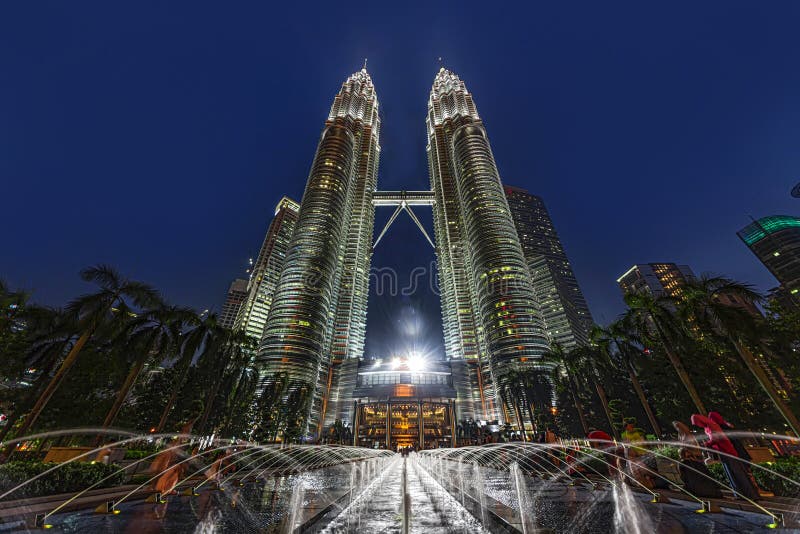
(158, 136)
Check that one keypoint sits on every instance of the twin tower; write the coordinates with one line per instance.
(317, 320)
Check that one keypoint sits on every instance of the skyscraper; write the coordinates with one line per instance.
(315, 329)
(566, 316)
(267, 269)
(775, 241)
(657, 279)
(237, 293)
(325, 276)
(668, 280)
(488, 304)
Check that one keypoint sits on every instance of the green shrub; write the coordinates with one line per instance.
(770, 481)
(788, 467)
(718, 472)
(134, 454)
(594, 462)
(68, 478)
(667, 451)
(29, 456)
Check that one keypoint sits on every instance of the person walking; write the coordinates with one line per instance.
(741, 450)
(636, 467)
(697, 479)
(734, 468)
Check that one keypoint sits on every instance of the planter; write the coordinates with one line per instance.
(64, 454)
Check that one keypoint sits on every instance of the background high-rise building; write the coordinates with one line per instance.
(775, 241)
(668, 280)
(237, 293)
(566, 316)
(266, 271)
(657, 279)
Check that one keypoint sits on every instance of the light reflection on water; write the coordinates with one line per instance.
(262, 506)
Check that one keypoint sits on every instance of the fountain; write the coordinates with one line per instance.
(207, 484)
(629, 515)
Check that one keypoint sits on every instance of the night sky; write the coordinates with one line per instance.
(158, 136)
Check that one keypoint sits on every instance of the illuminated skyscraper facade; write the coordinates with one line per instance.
(315, 330)
(324, 281)
(657, 279)
(775, 240)
(237, 293)
(266, 271)
(566, 316)
(489, 310)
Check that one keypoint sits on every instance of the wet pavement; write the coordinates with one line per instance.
(375, 506)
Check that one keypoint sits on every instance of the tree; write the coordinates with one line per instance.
(13, 335)
(269, 416)
(231, 346)
(145, 403)
(21, 327)
(87, 392)
(570, 365)
(199, 342)
(650, 314)
(622, 339)
(589, 359)
(296, 410)
(91, 312)
(782, 338)
(706, 309)
(537, 383)
(152, 335)
(238, 416)
(512, 389)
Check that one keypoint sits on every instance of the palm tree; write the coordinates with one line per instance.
(537, 383)
(199, 342)
(513, 391)
(268, 416)
(621, 335)
(590, 359)
(151, 335)
(705, 304)
(91, 312)
(235, 346)
(50, 336)
(243, 380)
(13, 338)
(12, 304)
(564, 362)
(296, 412)
(651, 313)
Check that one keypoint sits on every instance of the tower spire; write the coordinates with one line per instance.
(365, 64)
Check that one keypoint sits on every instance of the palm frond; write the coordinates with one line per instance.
(103, 275)
(141, 294)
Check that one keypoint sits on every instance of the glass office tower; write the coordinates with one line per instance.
(489, 310)
(324, 281)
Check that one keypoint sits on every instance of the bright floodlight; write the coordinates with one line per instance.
(416, 362)
(395, 363)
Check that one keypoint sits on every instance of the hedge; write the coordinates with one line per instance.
(667, 452)
(68, 478)
(788, 467)
(136, 454)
